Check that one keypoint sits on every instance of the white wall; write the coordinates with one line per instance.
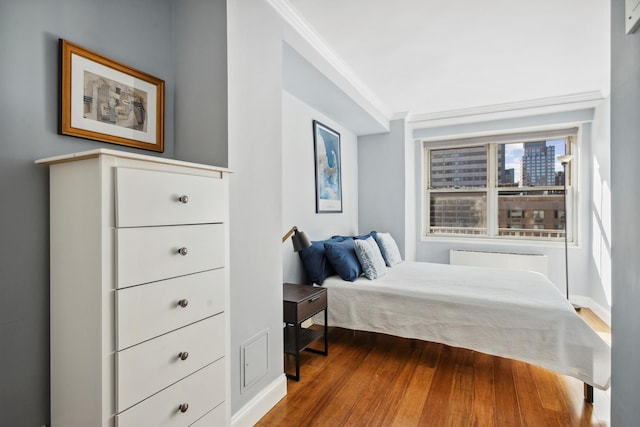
(255, 155)
(304, 79)
(263, 192)
(600, 170)
(298, 182)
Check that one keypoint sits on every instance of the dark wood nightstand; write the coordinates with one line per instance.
(300, 302)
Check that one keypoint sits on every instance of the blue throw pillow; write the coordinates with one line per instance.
(343, 259)
(362, 237)
(366, 236)
(315, 262)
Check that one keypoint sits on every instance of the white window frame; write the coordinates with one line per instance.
(492, 190)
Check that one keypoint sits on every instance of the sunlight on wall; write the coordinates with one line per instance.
(601, 235)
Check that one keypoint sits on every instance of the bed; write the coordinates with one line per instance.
(514, 314)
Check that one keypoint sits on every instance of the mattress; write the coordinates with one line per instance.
(514, 314)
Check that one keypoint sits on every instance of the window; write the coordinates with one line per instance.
(502, 187)
(516, 214)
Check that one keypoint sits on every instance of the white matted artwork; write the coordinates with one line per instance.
(328, 168)
(107, 101)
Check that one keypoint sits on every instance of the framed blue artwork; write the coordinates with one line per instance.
(328, 167)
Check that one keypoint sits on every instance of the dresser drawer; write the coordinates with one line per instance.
(143, 312)
(145, 198)
(215, 418)
(202, 391)
(148, 254)
(147, 368)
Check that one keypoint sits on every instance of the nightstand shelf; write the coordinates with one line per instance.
(307, 337)
(301, 302)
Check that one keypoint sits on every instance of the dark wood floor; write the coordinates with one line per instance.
(380, 380)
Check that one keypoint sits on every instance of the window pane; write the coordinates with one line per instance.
(531, 164)
(458, 213)
(531, 214)
(458, 167)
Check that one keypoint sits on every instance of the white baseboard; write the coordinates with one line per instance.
(600, 311)
(262, 403)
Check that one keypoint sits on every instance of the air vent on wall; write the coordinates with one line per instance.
(632, 15)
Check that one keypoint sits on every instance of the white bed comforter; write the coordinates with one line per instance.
(513, 314)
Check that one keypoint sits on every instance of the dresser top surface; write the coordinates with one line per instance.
(82, 155)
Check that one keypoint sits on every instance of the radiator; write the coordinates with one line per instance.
(511, 261)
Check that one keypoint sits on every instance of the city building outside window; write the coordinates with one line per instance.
(512, 187)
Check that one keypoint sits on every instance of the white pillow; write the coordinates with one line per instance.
(370, 258)
(389, 249)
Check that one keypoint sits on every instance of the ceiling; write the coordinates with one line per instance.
(432, 56)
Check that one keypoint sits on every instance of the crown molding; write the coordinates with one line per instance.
(401, 115)
(507, 110)
(293, 18)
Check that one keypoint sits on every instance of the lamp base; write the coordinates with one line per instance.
(576, 307)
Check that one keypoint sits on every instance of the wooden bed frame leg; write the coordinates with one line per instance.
(588, 393)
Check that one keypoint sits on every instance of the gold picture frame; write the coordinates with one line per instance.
(105, 100)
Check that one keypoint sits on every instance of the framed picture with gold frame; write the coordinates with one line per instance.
(105, 100)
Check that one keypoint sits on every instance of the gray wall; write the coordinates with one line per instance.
(138, 33)
(625, 175)
(200, 34)
(381, 173)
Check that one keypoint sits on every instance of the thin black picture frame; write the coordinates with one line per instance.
(328, 168)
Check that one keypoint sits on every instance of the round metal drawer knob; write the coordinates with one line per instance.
(184, 407)
(184, 355)
(184, 199)
(183, 251)
(183, 303)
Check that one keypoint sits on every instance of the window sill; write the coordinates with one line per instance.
(496, 242)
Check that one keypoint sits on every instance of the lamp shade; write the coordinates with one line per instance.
(299, 239)
(564, 159)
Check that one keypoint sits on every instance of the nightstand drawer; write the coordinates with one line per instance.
(200, 391)
(144, 312)
(311, 305)
(147, 254)
(149, 367)
(147, 198)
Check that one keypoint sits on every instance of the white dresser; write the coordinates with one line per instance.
(139, 291)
